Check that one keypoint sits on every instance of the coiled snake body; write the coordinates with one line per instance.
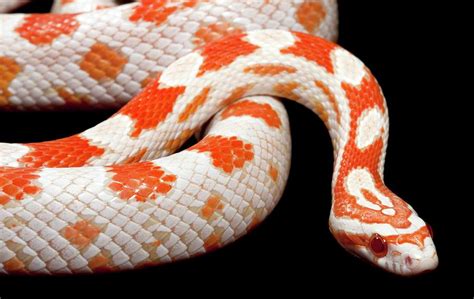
(104, 200)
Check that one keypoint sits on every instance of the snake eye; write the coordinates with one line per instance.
(378, 245)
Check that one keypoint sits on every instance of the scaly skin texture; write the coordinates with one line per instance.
(80, 6)
(96, 218)
(101, 59)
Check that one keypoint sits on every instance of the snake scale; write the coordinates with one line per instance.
(113, 198)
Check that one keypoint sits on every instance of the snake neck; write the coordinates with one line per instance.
(358, 187)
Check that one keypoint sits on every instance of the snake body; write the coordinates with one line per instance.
(64, 211)
(103, 58)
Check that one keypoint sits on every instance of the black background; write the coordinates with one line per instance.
(405, 45)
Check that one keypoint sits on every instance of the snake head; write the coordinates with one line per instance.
(409, 251)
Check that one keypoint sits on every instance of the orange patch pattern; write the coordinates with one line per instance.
(158, 11)
(173, 144)
(321, 112)
(208, 33)
(151, 106)
(192, 107)
(312, 48)
(269, 69)
(14, 265)
(9, 69)
(150, 79)
(310, 14)
(213, 242)
(136, 157)
(212, 205)
(237, 93)
(331, 97)
(73, 151)
(365, 96)
(257, 110)
(17, 183)
(227, 153)
(273, 173)
(254, 223)
(66, 1)
(223, 52)
(418, 237)
(286, 89)
(102, 62)
(71, 99)
(140, 181)
(81, 234)
(100, 263)
(43, 29)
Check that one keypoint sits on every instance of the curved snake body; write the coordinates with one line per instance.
(101, 59)
(92, 218)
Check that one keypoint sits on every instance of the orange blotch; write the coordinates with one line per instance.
(365, 96)
(212, 205)
(174, 144)
(14, 265)
(269, 69)
(158, 11)
(9, 69)
(286, 90)
(255, 222)
(212, 242)
(43, 29)
(194, 105)
(154, 11)
(141, 181)
(331, 98)
(227, 153)
(310, 14)
(273, 173)
(151, 106)
(100, 263)
(66, 1)
(136, 157)
(223, 52)
(73, 151)
(102, 62)
(208, 33)
(312, 48)
(237, 93)
(81, 234)
(150, 79)
(321, 111)
(257, 110)
(17, 183)
(72, 99)
(418, 237)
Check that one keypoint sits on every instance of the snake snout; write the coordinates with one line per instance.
(422, 262)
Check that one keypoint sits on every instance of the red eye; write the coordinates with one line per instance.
(430, 229)
(378, 245)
